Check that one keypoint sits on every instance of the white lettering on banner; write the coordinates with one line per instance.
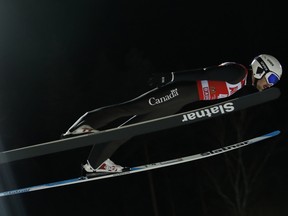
(154, 101)
(206, 89)
(206, 93)
(208, 112)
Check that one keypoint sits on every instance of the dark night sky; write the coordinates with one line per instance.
(59, 59)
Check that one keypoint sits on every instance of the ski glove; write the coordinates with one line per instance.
(160, 79)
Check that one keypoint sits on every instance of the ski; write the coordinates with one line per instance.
(143, 168)
(215, 110)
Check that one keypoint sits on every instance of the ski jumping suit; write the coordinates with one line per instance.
(188, 86)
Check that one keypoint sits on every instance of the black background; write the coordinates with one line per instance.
(59, 59)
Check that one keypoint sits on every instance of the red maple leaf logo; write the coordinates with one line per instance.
(233, 89)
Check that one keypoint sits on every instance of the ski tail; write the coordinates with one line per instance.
(144, 167)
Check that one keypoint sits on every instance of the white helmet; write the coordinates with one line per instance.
(267, 65)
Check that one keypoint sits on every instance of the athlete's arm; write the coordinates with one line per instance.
(228, 72)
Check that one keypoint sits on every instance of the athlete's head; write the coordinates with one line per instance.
(267, 71)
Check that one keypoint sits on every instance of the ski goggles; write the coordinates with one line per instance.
(271, 78)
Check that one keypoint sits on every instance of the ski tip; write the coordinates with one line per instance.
(275, 91)
(274, 133)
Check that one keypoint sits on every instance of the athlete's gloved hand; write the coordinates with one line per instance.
(160, 79)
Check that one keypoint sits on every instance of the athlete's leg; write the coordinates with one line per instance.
(172, 96)
(185, 94)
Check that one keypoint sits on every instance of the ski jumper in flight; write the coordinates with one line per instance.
(171, 92)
